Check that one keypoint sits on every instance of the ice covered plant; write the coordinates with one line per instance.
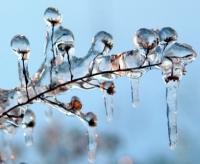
(62, 71)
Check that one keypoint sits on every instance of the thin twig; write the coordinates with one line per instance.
(72, 81)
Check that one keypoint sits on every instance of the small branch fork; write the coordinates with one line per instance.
(39, 96)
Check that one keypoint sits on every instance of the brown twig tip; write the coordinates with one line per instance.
(169, 39)
(76, 104)
(30, 124)
(54, 21)
(22, 51)
(111, 90)
(107, 43)
(93, 122)
(170, 78)
(102, 86)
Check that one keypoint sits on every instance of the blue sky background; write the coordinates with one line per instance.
(143, 130)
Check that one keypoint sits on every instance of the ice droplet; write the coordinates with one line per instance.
(20, 46)
(52, 16)
(102, 42)
(145, 40)
(28, 126)
(167, 34)
(171, 96)
(108, 91)
(135, 91)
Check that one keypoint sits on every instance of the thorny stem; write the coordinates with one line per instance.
(72, 81)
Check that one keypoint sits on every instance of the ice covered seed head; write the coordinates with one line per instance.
(102, 42)
(76, 103)
(52, 16)
(167, 34)
(91, 118)
(145, 40)
(20, 46)
(64, 42)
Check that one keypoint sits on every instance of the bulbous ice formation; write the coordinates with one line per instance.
(167, 34)
(145, 40)
(102, 42)
(20, 46)
(52, 16)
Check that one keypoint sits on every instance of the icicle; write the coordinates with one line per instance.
(92, 144)
(28, 126)
(171, 96)
(48, 113)
(108, 91)
(48, 110)
(135, 91)
(90, 121)
(108, 102)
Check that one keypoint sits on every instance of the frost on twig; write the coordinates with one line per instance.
(62, 71)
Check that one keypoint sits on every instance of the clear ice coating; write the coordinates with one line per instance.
(28, 125)
(62, 71)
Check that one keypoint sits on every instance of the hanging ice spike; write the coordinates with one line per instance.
(28, 126)
(92, 143)
(90, 121)
(108, 91)
(171, 97)
(135, 91)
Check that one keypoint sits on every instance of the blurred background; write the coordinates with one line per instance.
(136, 135)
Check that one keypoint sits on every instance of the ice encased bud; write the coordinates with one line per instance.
(28, 126)
(102, 42)
(52, 16)
(64, 42)
(145, 40)
(76, 103)
(91, 118)
(20, 46)
(167, 34)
